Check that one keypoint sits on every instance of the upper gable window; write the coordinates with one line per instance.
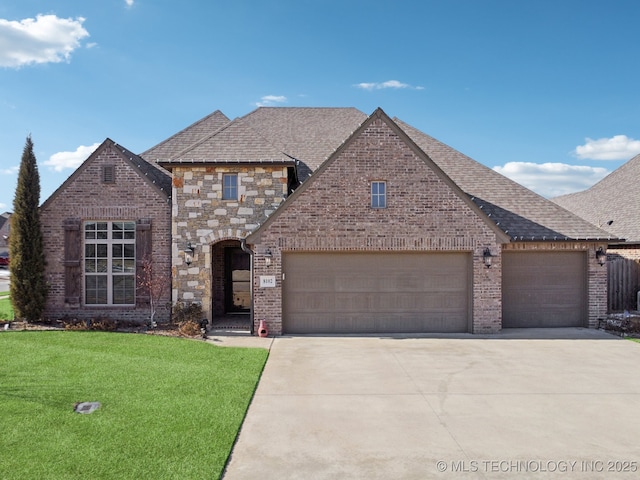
(230, 186)
(378, 194)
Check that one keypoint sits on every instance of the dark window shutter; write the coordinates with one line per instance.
(143, 252)
(72, 261)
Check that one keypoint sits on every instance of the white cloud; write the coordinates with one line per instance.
(129, 3)
(44, 39)
(383, 85)
(10, 170)
(618, 147)
(269, 100)
(61, 160)
(552, 179)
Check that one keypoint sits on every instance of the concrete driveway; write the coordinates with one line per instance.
(560, 403)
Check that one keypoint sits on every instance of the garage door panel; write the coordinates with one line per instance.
(544, 289)
(376, 292)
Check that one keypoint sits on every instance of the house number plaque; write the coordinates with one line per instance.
(267, 281)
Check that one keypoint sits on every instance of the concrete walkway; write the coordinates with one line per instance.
(559, 403)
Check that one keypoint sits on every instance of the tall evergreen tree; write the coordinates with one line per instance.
(26, 248)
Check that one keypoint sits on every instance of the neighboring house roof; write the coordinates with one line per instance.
(3, 219)
(519, 212)
(172, 146)
(613, 203)
(159, 179)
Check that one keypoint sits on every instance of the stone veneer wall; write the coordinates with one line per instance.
(85, 198)
(201, 217)
(333, 213)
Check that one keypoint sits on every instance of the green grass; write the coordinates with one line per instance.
(171, 408)
(6, 311)
(635, 339)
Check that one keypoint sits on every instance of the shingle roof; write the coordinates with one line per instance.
(613, 199)
(519, 212)
(172, 146)
(235, 142)
(310, 135)
(160, 178)
(270, 134)
(307, 134)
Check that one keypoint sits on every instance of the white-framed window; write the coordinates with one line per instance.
(230, 186)
(109, 263)
(378, 194)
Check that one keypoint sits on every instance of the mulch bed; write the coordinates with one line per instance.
(172, 330)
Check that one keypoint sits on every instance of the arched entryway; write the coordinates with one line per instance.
(231, 285)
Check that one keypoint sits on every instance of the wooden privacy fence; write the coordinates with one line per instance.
(623, 283)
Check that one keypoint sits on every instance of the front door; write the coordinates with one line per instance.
(237, 280)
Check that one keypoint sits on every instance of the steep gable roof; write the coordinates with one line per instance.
(306, 135)
(171, 147)
(516, 210)
(378, 115)
(157, 178)
(236, 142)
(613, 199)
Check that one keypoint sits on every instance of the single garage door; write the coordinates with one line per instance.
(376, 292)
(544, 289)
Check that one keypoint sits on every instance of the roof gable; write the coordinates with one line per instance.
(171, 147)
(235, 142)
(613, 199)
(150, 174)
(379, 150)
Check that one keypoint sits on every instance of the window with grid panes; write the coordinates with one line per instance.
(230, 186)
(110, 263)
(378, 194)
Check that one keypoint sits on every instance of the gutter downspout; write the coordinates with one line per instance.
(245, 249)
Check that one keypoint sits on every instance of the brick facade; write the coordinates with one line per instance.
(84, 197)
(425, 213)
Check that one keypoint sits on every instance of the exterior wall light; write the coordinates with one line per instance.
(188, 254)
(268, 256)
(486, 257)
(601, 256)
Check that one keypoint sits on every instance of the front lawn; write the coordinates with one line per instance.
(170, 408)
(6, 311)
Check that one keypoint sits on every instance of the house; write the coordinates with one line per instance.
(613, 204)
(100, 226)
(5, 225)
(328, 220)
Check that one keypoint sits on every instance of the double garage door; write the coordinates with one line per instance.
(426, 292)
(376, 292)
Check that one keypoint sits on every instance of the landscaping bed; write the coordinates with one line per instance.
(626, 324)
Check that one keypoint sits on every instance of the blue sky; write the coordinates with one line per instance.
(543, 91)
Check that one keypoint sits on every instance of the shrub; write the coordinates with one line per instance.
(183, 312)
(189, 328)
